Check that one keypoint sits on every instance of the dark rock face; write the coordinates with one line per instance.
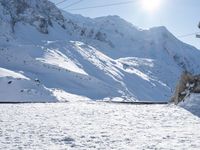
(39, 13)
(187, 84)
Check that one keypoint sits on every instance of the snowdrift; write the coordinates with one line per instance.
(192, 104)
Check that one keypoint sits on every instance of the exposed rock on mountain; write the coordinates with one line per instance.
(187, 84)
(39, 13)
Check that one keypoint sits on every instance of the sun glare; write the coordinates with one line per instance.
(150, 5)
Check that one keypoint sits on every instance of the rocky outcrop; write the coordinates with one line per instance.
(187, 84)
(38, 13)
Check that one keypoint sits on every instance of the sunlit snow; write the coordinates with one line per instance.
(86, 125)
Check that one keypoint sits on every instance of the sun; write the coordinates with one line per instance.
(150, 5)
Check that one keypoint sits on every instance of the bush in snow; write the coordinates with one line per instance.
(187, 84)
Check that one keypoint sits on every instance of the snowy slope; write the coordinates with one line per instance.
(15, 87)
(192, 104)
(102, 58)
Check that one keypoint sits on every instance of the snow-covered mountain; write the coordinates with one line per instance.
(50, 55)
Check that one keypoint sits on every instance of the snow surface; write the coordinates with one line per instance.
(9, 73)
(192, 104)
(15, 87)
(101, 58)
(97, 125)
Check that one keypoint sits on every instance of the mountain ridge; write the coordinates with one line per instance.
(72, 56)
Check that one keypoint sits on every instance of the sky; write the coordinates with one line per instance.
(181, 17)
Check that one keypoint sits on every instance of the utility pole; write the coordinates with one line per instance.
(198, 35)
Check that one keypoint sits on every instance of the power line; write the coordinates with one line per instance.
(106, 5)
(114, 4)
(72, 4)
(187, 35)
(61, 2)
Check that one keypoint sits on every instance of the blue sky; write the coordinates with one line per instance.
(181, 17)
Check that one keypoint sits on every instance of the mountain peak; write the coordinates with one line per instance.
(113, 20)
(112, 17)
(160, 28)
